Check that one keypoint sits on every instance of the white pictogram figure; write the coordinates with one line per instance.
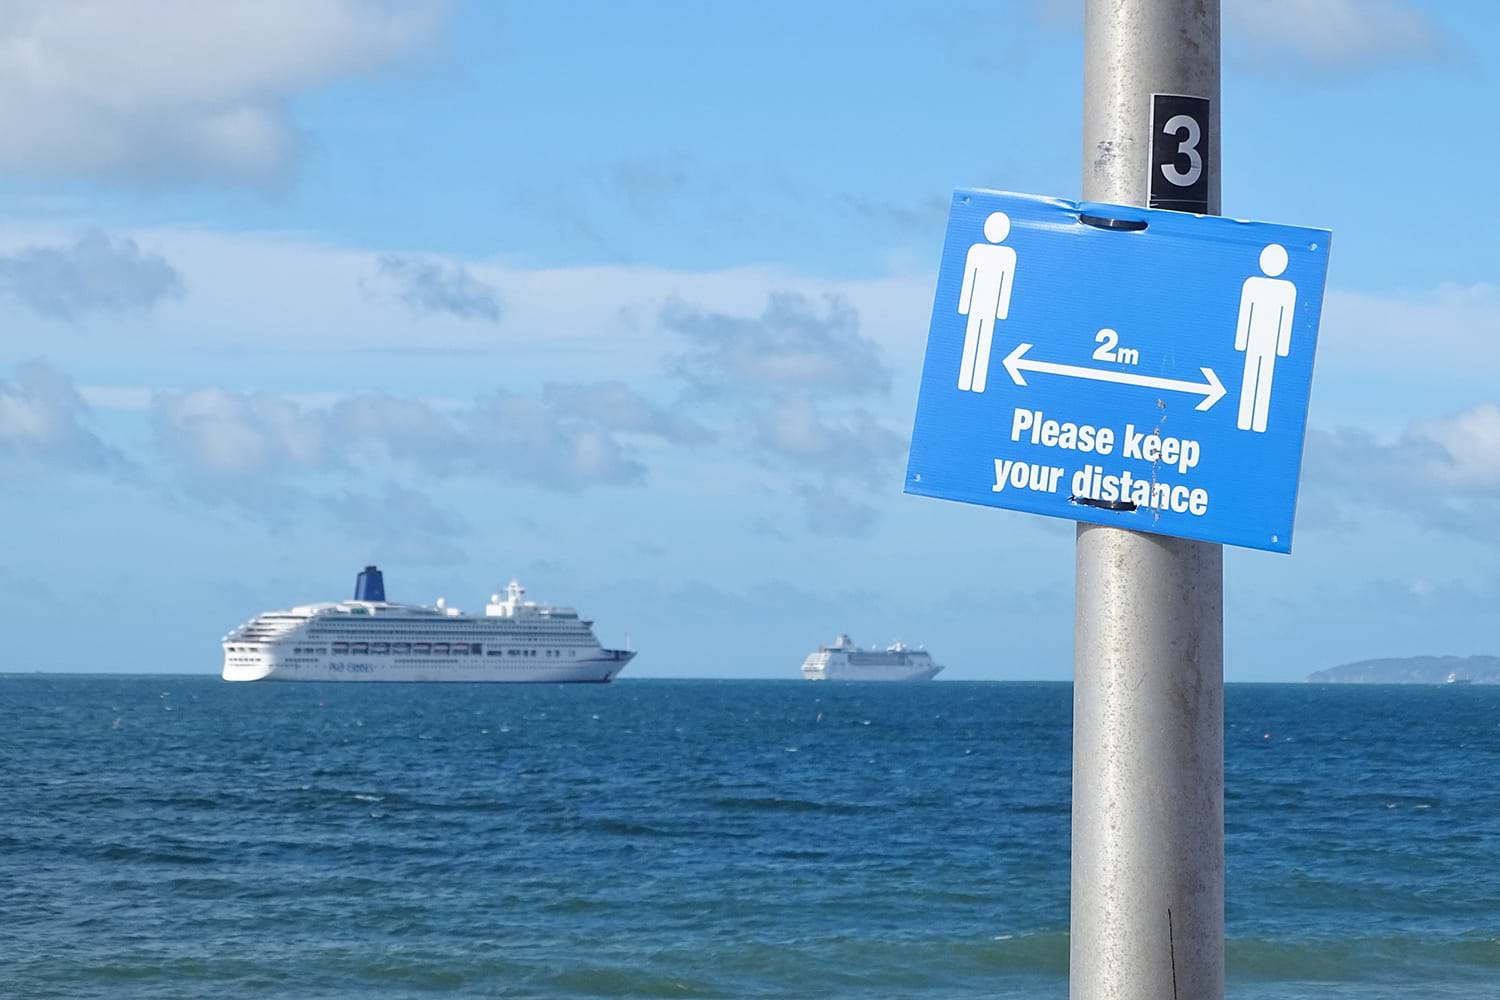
(1264, 334)
(989, 274)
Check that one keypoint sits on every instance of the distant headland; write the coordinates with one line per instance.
(1414, 670)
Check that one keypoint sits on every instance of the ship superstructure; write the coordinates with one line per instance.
(372, 639)
(844, 661)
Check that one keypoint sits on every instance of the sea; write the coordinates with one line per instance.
(177, 836)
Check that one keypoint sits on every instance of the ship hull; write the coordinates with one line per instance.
(269, 667)
(894, 673)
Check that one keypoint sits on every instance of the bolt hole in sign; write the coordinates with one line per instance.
(1153, 377)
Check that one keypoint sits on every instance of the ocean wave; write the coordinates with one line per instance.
(631, 828)
(773, 803)
(1357, 958)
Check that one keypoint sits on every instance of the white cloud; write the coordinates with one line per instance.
(574, 324)
(847, 445)
(1425, 596)
(1434, 332)
(227, 434)
(586, 366)
(1333, 35)
(615, 406)
(832, 511)
(925, 217)
(1444, 473)
(1388, 358)
(570, 438)
(130, 399)
(1469, 443)
(252, 453)
(44, 420)
(789, 346)
(436, 286)
(155, 90)
(836, 458)
(648, 185)
(399, 525)
(94, 274)
(785, 376)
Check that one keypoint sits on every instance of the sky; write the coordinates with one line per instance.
(630, 302)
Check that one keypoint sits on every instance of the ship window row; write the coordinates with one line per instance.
(481, 633)
(430, 664)
(449, 621)
(431, 649)
(425, 626)
(552, 640)
(400, 648)
(475, 633)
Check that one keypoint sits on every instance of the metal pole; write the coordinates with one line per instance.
(1148, 702)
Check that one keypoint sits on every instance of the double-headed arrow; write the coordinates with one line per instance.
(1212, 391)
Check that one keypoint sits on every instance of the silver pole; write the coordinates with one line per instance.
(1148, 698)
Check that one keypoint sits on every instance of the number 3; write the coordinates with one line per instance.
(1175, 125)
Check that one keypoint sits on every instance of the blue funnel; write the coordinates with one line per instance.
(370, 585)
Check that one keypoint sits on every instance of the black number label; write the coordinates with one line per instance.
(1179, 153)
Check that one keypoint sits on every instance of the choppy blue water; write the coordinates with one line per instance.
(181, 837)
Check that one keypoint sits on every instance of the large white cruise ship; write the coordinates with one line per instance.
(844, 661)
(372, 639)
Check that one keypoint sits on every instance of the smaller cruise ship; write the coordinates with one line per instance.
(844, 661)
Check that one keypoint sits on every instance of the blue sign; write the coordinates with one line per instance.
(1103, 363)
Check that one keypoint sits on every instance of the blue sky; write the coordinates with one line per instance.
(555, 290)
